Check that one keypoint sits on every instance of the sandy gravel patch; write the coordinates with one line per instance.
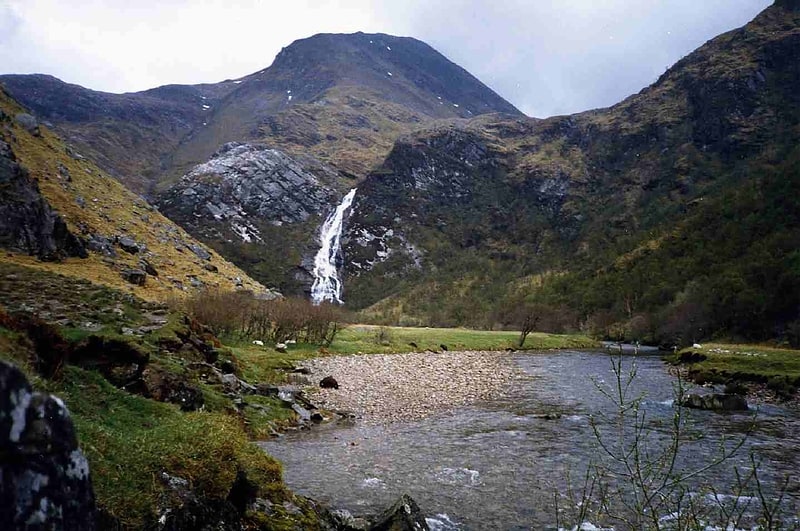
(386, 388)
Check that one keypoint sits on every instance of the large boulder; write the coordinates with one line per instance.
(44, 480)
(404, 515)
(329, 382)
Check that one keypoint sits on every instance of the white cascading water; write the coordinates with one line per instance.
(327, 286)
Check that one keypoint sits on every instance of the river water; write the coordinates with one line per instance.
(498, 464)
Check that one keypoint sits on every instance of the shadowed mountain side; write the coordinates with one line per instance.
(468, 217)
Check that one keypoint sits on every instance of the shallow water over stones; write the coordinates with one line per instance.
(496, 464)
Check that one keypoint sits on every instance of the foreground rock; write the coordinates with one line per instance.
(716, 402)
(44, 480)
(386, 388)
(404, 515)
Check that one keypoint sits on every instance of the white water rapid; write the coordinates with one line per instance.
(327, 286)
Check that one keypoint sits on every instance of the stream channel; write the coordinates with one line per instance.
(497, 464)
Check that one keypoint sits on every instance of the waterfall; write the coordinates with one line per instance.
(327, 286)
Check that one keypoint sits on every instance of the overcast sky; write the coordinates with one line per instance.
(547, 57)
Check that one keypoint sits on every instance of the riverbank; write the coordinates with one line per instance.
(767, 372)
(388, 388)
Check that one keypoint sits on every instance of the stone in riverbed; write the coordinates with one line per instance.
(329, 382)
(715, 402)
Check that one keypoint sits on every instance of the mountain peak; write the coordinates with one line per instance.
(398, 68)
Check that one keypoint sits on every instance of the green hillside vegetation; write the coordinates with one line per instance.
(93, 203)
(730, 268)
(669, 217)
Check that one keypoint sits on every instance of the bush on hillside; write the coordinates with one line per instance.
(277, 320)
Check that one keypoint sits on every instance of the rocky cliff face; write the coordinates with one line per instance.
(28, 223)
(53, 197)
(243, 186)
(245, 196)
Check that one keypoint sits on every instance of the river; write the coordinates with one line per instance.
(497, 464)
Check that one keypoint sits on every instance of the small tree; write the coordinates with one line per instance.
(523, 315)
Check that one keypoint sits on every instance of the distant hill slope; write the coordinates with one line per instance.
(342, 98)
(123, 234)
(466, 218)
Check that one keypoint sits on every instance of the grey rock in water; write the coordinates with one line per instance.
(716, 402)
(404, 515)
(44, 480)
(28, 223)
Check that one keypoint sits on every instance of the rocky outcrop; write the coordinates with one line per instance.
(256, 205)
(715, 402)
(28, 224)
(404, 515)
(44, 481)
(244, 186)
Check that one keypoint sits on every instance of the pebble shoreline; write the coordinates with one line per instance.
(387, 388)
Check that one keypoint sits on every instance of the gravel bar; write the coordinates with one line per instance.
(395, 387)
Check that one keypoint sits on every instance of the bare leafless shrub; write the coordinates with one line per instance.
(277, 320)
(222, 311)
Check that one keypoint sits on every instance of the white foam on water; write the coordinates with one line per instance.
(373, 483)
(442, 522)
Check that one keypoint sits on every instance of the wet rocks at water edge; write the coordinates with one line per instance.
(404, 515)
(715, 402)
(44, 480)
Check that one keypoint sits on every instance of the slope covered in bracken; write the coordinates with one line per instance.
(119, 229)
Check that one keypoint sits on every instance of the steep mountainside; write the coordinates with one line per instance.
(257, 206)
(343, 98)
(467, 218)
(59, 205)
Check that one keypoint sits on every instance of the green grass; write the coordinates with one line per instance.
(778, 368)
(264, 364)
(130, 440)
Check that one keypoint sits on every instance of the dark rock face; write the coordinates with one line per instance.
(128, 244)
(44, 480)
(28, 223)
(168, 387)
(404, 515)
(716, 402)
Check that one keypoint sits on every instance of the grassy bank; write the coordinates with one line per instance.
(265, 364)
(722, 363)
